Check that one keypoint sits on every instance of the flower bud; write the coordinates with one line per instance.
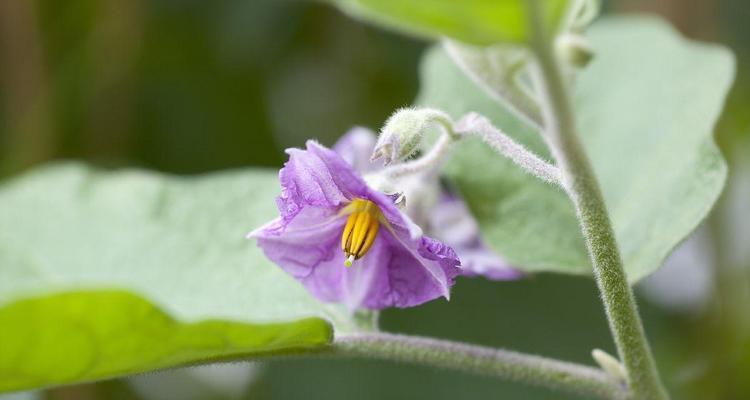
(574, 49)
(402, 134)
(610, 365)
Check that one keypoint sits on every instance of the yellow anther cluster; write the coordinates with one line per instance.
(361, 229)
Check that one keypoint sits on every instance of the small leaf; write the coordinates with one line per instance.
(646, 109)
(89, 335)
(482, 22)
(176, 243)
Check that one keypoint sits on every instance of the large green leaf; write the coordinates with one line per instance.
(106, 273)
(646, 109)
(472, 21)
(90, 335)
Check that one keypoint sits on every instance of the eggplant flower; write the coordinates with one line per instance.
(349, 243)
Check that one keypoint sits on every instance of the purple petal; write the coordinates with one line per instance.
(355, 147)
(316, 177)
(301, 245)
(452, 223)
(407, 276)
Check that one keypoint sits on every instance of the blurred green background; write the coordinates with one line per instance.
(189, 86)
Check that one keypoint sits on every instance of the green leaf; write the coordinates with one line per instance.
(176, 244)
(91, 335)
(482, 22)
(646, 109)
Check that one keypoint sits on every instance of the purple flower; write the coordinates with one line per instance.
(441, 213)
(348, 243)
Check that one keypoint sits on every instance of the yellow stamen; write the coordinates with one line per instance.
(369, 239)
(361, 229)
(346, 237)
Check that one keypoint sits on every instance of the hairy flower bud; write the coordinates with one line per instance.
(403, 132)
(610, 365)
(574, 49)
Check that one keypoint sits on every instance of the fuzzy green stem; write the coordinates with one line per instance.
(517, 367)
(429, 162)
(478, 125)
(582, 187)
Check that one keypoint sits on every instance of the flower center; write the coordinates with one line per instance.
(361, 229)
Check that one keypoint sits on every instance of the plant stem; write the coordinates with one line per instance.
(429, 162)
(580, 183)
(518, 367)
(478, 125)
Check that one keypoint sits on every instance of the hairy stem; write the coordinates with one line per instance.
(428, 162)
(475, 124)
(517, 367)
(583, 189)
